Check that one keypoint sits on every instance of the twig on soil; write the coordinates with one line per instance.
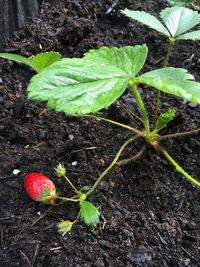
(160, 237)
(26, 258)
(84, 149)
(56, 248)
(104, 222)
(42, 112)
(2, 236)
(188, 253)
(41, 217)
(110, 9)
(35, 254)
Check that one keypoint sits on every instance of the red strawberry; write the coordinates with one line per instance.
(40, 188)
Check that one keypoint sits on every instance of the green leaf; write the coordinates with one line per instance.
(147, 19)
(89, 214)
(43, 60)
(164, 119)
(77, 87)
(195, 35)
(130, 59)
(179, 20)
(80, 86)
(17, 58)
(38, 62)
(175, 81)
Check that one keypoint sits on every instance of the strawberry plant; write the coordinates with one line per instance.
(81, 86)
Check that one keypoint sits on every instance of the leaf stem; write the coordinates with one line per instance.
(142, 109)
(71, 184)
(165, 64)
(178, 167)
(69, 199)
(111, 165)
(116, 123)
(169, 52)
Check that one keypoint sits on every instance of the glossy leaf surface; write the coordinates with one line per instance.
(130, 59)
(175, 81)
(147, 19)
(81, 86)
(179, 20)
(43, 60)
(195, 35)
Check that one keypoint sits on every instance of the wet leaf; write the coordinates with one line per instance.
(175, 81)
(81, 86)
(43, 60)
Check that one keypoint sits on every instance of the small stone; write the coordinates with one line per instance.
(15, 172)
(71, 137)
(74, 163)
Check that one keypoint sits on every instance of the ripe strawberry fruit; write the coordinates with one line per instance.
(40, 188)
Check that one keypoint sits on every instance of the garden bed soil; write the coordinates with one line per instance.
(149, 212)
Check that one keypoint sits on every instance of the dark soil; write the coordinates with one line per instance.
(150, 213)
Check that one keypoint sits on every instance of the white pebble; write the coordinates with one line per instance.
(71, 137)
(15, 172)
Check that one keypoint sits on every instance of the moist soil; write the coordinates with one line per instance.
(149, 212)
